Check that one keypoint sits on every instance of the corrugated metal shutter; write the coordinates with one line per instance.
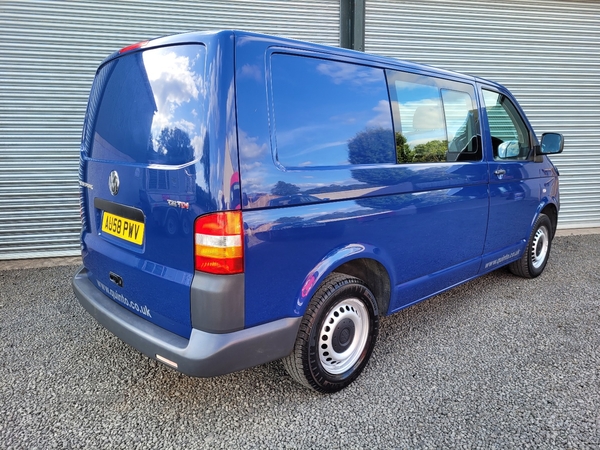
(546, 52)
(49, 51)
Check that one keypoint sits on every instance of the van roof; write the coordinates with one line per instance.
(304, 45)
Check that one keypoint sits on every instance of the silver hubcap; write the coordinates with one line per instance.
(343, 336)
(539, 247)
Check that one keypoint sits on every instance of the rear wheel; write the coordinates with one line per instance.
(533, 261)
(337, 335)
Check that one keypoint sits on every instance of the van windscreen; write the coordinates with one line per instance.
(149, 107)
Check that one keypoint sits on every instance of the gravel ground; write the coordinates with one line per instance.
(500, 362)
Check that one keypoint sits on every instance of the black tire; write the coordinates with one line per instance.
(337, 335)
(533, 261)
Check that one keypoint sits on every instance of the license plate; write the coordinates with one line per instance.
(127, 229)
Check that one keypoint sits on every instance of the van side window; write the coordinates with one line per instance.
(435, 120)
(510, 135)
(464, 139)
(329, 113)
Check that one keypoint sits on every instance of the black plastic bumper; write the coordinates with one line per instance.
(203, 354)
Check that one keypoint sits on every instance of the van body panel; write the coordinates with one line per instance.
(518, 188)
(513, 207)
(162, 134)
(338, 160)
(150, 290)
(266, 182)
(407, 229)
(426, 286)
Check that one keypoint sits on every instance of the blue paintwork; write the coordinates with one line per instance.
(431, 225)
(518, 196)
(411, 235)
(158, 274)
(429, 230)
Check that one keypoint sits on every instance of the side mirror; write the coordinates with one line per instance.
(552, 143)
(509, 149)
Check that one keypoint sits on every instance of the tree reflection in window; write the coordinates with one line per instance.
(435, 120)
(321, 108)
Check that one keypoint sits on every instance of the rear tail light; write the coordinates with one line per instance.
(219, 243)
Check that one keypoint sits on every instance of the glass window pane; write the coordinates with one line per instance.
(151, 106)
(423, 132)
(435, 120)
(457, 107)
(510, 135)
(330, 113)
(464, 141)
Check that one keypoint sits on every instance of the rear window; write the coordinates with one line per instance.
(149, 107)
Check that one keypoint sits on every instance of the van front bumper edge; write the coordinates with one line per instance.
(203, 354)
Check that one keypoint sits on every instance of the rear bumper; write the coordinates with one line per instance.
(203, 354)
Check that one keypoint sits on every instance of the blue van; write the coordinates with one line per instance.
(247, 198)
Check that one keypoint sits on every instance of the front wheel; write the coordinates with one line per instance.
(337, 335)
(533, 261)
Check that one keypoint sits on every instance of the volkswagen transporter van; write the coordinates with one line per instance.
(247, 198)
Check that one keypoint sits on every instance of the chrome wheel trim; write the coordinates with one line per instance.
(350, 310)
(539, 247)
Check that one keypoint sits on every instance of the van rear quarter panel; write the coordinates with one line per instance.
(426, 218)
(411, 235)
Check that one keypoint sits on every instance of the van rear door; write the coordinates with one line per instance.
(144, 134)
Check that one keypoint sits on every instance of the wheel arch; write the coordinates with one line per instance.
(374, 275)
(551, 211)
(358, 260)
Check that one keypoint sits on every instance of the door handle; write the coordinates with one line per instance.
(499, 172)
